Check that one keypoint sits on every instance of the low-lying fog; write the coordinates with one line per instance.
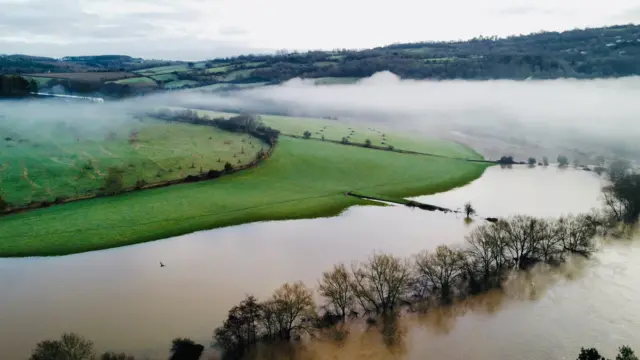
(502, 117)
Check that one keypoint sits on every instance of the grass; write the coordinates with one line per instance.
(37, 167)
(303, 179)
(163, 69)
(164, 77)
(180, 83)
(237, 74)
(219, 69)
(137, 81)
(336, 130)
(226, 86)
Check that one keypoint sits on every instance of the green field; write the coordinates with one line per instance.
(179, 83)
(137, 81)
(303, 179)
(164, 77)
(219, 69)
(163, 69)
(336, 130)
(66, 161)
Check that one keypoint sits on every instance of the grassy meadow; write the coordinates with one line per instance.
(63, 160)
(358, 134)
(303, 179)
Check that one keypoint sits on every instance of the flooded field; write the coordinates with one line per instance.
(124, 301)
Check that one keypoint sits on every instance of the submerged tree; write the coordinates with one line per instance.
(292, 311)
(622, 198)
(545, 161)
(469, 210)
(532, 161)
(240, 330)
(379, 283)
(563, 161)
(441, 270)
(336, 287)
(618, 169)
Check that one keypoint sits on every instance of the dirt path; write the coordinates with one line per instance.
(107, 152)
(25, 175)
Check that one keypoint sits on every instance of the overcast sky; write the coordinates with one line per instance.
(198, 29)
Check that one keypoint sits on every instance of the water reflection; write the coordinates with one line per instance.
(124, 301)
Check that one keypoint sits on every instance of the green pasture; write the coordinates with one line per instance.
(164, 77)
(218, 69)
(180, 83)
(163, 69)
(137, 81)
(303, 179)
(358, 134)
(63, 161)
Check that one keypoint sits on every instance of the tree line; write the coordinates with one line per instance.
(16, 86)
(72, 346)
(384, 284)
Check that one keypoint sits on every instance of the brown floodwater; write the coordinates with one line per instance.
(124, 301)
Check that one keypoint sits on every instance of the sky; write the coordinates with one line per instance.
(201, 29)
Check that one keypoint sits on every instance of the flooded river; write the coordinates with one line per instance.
(124, 301)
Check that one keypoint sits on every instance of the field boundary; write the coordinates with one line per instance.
(410, 152)
(209, 175)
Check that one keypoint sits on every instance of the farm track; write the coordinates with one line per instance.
(25, 176)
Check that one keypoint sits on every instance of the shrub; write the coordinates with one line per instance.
(114, 182)
(367, 143)
(228, 167)
(345, 140)
(3, 204)
(307, 134)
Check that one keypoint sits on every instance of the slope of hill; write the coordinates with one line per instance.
(588, 53)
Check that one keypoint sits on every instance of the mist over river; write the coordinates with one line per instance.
(123, 301)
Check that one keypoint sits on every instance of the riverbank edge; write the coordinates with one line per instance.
(336, 205)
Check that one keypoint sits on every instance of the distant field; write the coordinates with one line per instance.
(164, 77)
(336, 130)
(138, 81)
(302, 179)
(179, 83)
(235, 75)
(163, 69)
(41, 81)
(62, 160)
(219, 69)
(86, 76)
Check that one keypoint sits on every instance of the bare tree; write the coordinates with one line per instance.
(240, 330)
(522, 234)
(70, 347)
(442, 269)
(469, 210)
(486, 262)
(379, 283)
(294, 310)
(335, 286)
(578, 233)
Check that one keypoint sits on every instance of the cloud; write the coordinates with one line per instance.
(590, 115)
(232, 30)
(525, 10)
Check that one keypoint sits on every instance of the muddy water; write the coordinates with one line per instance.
(124, 301)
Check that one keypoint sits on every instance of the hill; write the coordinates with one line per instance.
(583, 53)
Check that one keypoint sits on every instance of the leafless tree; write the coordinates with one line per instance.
(294, 310)
(578, 233)
(379, 283)
(442, 269)
(522, 235)
(336, 287)
(486, 262)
